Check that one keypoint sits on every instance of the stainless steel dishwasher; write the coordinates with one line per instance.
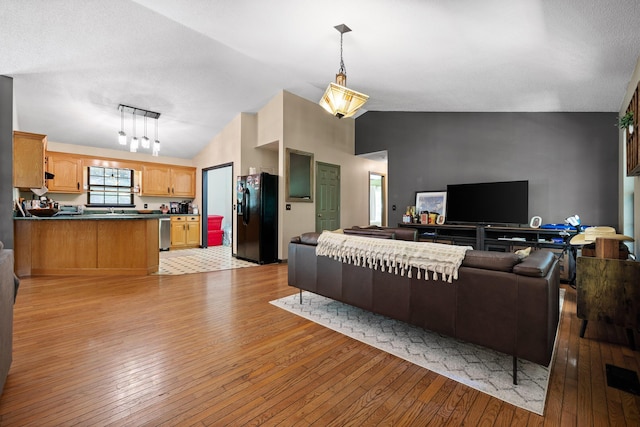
(165, 233)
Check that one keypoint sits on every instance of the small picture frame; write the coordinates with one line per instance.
(440, 220)
(431, 202)
(535, 222)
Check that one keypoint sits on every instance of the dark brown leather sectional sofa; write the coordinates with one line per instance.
(498, 300)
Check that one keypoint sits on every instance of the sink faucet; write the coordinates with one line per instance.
(111, 210)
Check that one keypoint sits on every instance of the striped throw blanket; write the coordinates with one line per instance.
(394, 256)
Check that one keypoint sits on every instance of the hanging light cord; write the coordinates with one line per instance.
(342, 69)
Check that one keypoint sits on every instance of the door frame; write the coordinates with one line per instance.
(204, 224)
(383, 218)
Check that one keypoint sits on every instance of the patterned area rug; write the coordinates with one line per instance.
(199, 260)
(480, 368)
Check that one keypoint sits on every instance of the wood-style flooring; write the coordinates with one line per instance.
(208, 349)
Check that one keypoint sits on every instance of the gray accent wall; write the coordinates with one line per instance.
(6, 161)
(569, 159)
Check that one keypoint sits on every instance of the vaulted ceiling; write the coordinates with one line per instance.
(201, 62)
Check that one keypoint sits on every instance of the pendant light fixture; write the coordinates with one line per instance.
(122, 137)
(134, 141)
(143, 142)
(156, 143)
(338, 99)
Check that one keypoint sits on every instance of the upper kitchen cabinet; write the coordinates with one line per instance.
(67, 171)
(183, 182)
(29, 159)
(168, 181)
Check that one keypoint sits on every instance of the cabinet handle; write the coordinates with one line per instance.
(78, 185)
(168, 190)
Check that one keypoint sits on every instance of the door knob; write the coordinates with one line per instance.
(319, 215)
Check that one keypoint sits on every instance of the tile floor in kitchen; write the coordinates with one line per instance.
(199, 260)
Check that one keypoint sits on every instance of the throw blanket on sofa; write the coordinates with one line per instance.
(394, 256)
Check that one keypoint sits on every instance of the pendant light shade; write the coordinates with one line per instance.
(145, 142)
(341, 101)
(122, 137)
(338, 99)
(156, 143)
(133, 147)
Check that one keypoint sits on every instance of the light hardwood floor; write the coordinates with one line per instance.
(209, 349)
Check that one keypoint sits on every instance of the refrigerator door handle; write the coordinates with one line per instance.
(245, 206)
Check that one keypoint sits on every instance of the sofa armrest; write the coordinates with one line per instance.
(490, 260)
(535, 265)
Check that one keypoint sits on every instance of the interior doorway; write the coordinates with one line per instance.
(377, 197)
(217, 200)
(327, 197)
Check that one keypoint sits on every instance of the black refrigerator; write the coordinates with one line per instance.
(257, 215)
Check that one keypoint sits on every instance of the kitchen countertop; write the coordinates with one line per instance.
(101, 216)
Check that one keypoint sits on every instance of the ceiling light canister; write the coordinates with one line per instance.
(338, 99)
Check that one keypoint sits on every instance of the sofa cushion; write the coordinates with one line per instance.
(535, 265)
(490, 260)
(408, 234)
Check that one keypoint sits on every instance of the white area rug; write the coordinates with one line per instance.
(478, 367)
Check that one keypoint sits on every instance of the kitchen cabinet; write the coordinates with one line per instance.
(171, 181)
(183, 182)
(29, 159)
(67, 171)
(185, 231)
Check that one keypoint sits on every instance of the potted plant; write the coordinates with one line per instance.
(626, 121)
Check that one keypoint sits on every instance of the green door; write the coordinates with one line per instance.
(327, 197)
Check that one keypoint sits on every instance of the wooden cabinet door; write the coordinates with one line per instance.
(193, 231)
(178, 232)
(67, 171)
(28, 159)
(156, 180)
(183, 182)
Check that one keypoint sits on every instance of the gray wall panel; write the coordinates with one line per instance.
(570, 159)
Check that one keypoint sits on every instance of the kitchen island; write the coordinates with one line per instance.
(90, 244)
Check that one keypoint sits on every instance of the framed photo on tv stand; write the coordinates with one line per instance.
(432, 202)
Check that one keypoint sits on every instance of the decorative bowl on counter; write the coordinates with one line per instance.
(43, 212)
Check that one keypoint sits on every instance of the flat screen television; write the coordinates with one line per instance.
(488, 203)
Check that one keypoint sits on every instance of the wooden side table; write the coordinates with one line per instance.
(608, 289)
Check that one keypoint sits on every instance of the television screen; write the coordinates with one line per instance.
(489, 202)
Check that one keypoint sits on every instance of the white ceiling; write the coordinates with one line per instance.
(201, 62)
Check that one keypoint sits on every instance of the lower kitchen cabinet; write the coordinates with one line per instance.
(185, 231)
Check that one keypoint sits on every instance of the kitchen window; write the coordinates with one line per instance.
(110, 187)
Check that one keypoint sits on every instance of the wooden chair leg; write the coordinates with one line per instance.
(583, 328)
(632, 341)
(515, 370)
